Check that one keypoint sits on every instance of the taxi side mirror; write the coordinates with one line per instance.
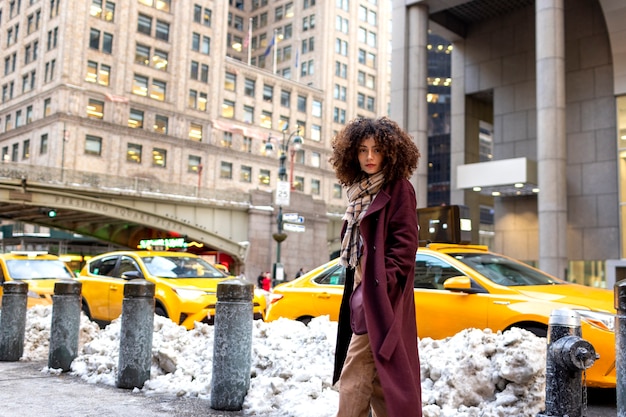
(461, 284)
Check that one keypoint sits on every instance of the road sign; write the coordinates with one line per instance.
(290, 217)
(283, 190)
(290, 227)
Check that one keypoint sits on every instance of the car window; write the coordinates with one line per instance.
(505, 271)
(180, 267)
(127, 264)
(103, 266)
(335, 275)
(37, 269)
(431, 272)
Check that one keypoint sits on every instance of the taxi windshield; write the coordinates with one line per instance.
(505, 271)
(181, 267)
(21, 269)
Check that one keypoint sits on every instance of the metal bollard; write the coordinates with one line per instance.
(65, 326)
(136, 334)
(13, 320)
(620, 346)
(232, 349)
(567, 356)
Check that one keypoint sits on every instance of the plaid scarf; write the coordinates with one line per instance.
(360, 195)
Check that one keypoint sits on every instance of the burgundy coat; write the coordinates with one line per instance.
(390, 235)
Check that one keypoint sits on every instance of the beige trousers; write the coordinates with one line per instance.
(359, 386)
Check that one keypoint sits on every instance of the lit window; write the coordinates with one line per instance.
(95, 109)
(336, 191)
(133, 153)
(245, 174)
(159, 157)
(264, 177)
(195, 132)
(135, 120)
(194, 164)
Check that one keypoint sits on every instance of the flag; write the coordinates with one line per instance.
(269, 47)
(246, 41)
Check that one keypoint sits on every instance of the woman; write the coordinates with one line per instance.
(376, 359)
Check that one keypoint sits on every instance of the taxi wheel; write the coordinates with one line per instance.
(305, 319)
(160, 311)
(85, 309)
(538, 331)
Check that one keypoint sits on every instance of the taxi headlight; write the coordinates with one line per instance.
(604, 321)
(189, 294)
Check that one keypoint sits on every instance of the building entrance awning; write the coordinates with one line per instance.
(502, 178)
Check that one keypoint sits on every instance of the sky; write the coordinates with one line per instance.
(474, 373)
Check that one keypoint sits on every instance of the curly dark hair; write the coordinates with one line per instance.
(400, 154)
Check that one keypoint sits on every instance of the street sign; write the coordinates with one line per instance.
(290, 227)
(283, 190)
(290, 217)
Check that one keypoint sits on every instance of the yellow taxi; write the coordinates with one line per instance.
(39, 269)
(185, 285)
(466, 286)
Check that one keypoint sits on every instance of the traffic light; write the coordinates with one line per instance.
(52, 213)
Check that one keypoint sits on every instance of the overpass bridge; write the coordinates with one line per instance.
(124, 211)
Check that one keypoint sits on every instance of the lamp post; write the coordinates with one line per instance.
(283, 189)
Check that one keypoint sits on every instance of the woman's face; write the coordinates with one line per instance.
(370, 156)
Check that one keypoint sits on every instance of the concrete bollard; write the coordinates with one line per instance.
(13, 320)
(620, 346)
(136, 334)
(232, 349)
(65, 326)
(567, 356)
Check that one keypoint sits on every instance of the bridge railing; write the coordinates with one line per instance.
(105, 182)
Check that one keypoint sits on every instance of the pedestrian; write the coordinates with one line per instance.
(259, 280)
(267, 282)
(299, 273)
(376, 358)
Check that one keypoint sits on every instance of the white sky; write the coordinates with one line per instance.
(475, 373)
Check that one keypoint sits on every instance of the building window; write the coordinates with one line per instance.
(202, 15)
(264, 177)
(5, 154)
(245, 175)
(315, 187)
(316, 159)
(268, 93)
(195, 132)
(18, 118)
(230, 81)
(298, 183)
(26, 149)
(96, 73)
(339, 115)
(15, 152)
(163, 5)
(336, 191)
(199, 72)
(133, 153)
(246, 145)
(93, 145)
(302, 104)
(317, 108)
(248, 114)
(159, 158)
(52, 38)
(29, 114)
(135, 120)
(226, 170)
(285, 98)
(266, 119)
(107, 13)
(227, 140)
(316, 133)
(47, 107)
(160, 124)
(95, 109)
(43, 144)
(101, 41)
(157, 88)
(249, 86)
(194, 164)
(228, 109)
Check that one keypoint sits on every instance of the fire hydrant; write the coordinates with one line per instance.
(568, 355)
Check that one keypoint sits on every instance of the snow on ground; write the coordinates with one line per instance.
(474, 373)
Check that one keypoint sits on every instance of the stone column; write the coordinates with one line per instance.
(551, 138)
(409, 84)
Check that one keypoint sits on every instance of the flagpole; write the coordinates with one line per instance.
(275, 48)
(249, 41)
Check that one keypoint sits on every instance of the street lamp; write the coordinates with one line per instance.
(283, 189)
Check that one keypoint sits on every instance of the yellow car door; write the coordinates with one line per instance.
(441, 312)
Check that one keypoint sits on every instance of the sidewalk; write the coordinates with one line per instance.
(27, 392)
